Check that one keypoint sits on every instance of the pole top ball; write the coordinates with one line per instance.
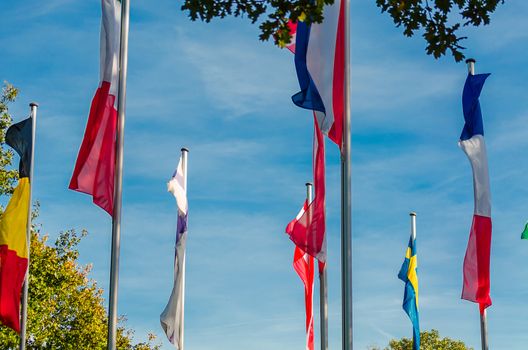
(412, 213)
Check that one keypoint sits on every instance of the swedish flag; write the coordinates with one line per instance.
(409, 275)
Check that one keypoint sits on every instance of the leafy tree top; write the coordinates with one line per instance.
(430, 340)
(439, 20)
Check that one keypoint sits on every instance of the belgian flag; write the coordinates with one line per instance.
(13, 229)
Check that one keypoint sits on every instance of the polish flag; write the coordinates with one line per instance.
(95, 167)
(307, 231)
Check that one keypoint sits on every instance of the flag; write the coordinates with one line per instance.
(95, 167)
(293, 32)
(307, 231)
(477, 260)
(524, 235)
(304, 266)
(173, 316)
(13, 229)
(320, 65)
(409, 275)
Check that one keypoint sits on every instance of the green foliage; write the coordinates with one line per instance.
(66, 307)
(434, 17)
(430, 340)
(7, 176)
(277, 13)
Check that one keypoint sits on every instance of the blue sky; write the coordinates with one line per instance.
(217, 90)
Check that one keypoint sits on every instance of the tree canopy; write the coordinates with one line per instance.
(439, 20)
(66, 307)
(429, 340)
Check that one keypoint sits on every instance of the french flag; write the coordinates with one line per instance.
(477, 260)
(95, 166)
(320, 65)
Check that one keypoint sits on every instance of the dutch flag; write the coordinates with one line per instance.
(320, 65)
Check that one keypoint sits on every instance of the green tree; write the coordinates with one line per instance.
(429, 340)
(66, 307)
(7, 176)
(440, 20)
(435, 19)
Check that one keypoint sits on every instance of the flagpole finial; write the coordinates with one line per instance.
(33, 104)
(184, 149)
(308, 184)
(471, 65)
(412, 213)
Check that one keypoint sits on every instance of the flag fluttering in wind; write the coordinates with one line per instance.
(320, 65)
(172, 318)
(95, 167)
(409, 275)
(13, 229)
(308, 230)
(304, 266)
(524, 234)
(477, 260)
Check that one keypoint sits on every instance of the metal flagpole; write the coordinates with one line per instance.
(346, 199)
(413, 224)
(483, 316)
(484, 330)
(23, 321)
(184, 155)
(118, 183)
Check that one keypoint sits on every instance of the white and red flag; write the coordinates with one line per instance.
(95, 167)
(307, 231)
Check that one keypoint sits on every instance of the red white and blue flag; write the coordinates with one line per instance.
(95, 167)
(320, 65)
(477, 260)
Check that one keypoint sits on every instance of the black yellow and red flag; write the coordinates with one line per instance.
(13, 229)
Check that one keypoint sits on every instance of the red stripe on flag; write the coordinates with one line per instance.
(338, 90)
(12, 273)
(308, 231)
(95, 166)
(477, 263)
(304, 266)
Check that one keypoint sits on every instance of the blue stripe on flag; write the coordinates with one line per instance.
(308, 97)
(471, 106)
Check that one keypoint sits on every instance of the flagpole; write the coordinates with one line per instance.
(25, 291)
(483, 315)
(346, 199)
(413, 224)
(118, 184)
(184, 155)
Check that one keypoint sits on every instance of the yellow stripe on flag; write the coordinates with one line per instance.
(413, 276)
(13, 223)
